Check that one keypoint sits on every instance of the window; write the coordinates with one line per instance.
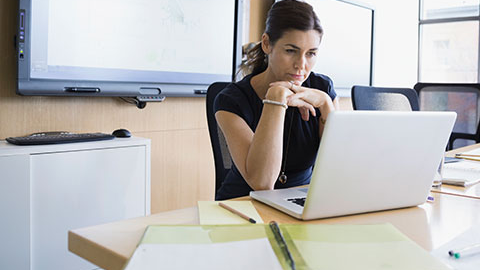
(449, 41)
(441, 9)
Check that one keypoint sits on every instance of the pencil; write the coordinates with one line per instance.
(468, 158)
(242, 215)
(466, 155)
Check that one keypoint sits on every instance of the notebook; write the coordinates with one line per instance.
(369, 161)
(463, 173)
(254, 247)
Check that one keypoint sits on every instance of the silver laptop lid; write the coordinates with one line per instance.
(376, 160)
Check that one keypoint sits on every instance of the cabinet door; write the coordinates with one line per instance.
(15, 212)
(77, 189)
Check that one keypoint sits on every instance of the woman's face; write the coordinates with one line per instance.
(293, 56)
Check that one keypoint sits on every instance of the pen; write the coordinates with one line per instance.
(470, 250)
(251, 220)
(282, 244)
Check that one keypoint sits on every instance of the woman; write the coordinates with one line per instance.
(273, 119)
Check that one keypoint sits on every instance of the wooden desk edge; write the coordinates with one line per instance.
(102, 257)
(79, 243)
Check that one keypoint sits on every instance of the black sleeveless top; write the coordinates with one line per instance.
(240, 98)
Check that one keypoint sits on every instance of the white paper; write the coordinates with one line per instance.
(467, 172)
(468, 238)
(381, 255)
(238, 255)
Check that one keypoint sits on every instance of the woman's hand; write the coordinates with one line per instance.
(278, 93)
(281, 92)
(306, 99)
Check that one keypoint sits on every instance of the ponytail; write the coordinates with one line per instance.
(256, 60)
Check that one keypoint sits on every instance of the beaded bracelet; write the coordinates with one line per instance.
(273, 102)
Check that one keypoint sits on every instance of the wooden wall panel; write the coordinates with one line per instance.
(345, 104)
(20, 115)
(258, 15)
(182, 161)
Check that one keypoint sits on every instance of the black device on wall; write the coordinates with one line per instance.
(143, 49)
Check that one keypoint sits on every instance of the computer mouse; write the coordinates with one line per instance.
(121, 133)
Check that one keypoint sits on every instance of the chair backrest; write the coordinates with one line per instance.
(463, 98)
(384, 99)
(221, 155)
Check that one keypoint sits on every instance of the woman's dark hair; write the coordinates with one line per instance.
(283, 16)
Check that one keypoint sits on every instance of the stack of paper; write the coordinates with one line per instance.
(463, 173)
(254, 247)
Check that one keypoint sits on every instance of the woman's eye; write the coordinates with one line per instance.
(311, 54)
(290, 51)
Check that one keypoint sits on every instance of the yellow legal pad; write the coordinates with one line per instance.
(318, 246)
(211, 214)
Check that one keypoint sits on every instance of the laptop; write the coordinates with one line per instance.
(369, 161)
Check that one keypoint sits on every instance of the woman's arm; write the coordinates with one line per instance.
(307, 99)
(321, 126)
(258, 155)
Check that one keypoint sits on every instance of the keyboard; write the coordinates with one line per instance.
(299, 201)
(58, 137)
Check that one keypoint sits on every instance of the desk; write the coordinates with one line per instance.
(430, 225)
(470, 192)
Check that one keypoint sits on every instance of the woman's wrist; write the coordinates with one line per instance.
(276, 103)
(325, 109)
(277, 94)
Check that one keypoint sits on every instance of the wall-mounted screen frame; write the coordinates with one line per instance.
(126, 48)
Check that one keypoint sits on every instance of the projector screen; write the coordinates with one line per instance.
(125, 47)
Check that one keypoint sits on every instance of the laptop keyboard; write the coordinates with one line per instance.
(299, 201)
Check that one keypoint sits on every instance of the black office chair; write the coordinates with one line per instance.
(463, 98)
(384, 99)
(221, 155)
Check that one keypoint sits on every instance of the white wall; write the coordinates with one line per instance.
(396, 42)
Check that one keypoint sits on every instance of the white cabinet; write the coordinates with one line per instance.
(47, 190)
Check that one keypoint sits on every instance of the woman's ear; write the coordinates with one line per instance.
(266, 46)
